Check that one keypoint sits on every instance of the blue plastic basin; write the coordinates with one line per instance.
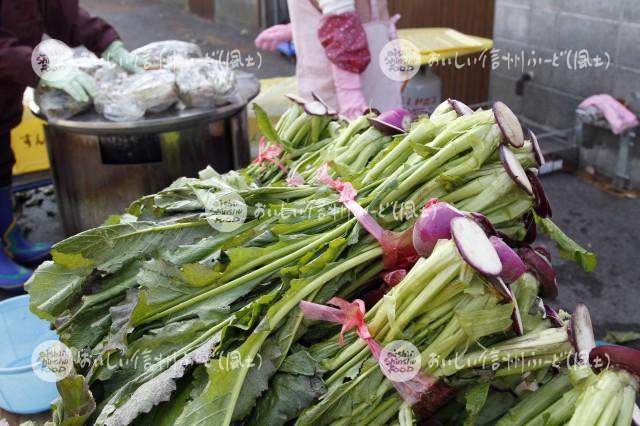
(21, 391)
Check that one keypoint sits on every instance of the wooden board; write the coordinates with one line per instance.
(203, 8)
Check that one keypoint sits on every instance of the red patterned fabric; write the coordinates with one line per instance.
(345, 41)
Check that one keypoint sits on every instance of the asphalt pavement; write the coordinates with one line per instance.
(140, 22)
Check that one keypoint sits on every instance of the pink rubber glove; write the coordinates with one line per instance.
(392, 31)
(351, 101)
(270, 38)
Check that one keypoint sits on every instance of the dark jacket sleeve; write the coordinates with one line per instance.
(67, 21)
(15, 61)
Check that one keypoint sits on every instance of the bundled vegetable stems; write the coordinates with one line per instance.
(600, 388)
(177, 322)
(578, 396)
(298, 136)
(444, 307)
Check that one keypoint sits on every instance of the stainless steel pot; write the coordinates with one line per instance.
(99, 167)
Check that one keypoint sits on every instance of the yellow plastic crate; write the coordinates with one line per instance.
(28, 142)
(437, 44)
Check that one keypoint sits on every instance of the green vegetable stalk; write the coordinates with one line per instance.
(160, 281)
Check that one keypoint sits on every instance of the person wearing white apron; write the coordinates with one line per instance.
(338, 43)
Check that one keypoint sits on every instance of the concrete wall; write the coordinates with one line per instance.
(554, 26)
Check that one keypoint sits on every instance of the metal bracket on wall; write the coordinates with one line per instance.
(627, 142)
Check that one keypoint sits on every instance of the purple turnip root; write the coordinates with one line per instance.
(541, 268)
(460, 107)
(512, 265)
(622, 357)
(537, 151)
(475, 247)
(514, 169)
(541, 206)
(509, 125)
(297, 99)
(315, 108)
(433, 224)
(580, 332)
(393, 122)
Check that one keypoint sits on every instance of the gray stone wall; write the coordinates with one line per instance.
(551, 27)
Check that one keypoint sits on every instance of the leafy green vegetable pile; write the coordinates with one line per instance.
(176, 322)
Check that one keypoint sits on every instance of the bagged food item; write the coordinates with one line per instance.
(57, 104)
(162, 53)
(129, 98)
(109, 73)
(205, 83)
(100, 69)
(116, 106)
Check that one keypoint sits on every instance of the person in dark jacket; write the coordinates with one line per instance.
(23, 24)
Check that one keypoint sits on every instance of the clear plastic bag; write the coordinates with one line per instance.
(163, 53)
(129, 98)
(205, 83)
(177, 74)
(57, 104)
(116, 106)
(108, 73)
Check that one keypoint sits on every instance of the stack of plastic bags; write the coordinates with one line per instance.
(176, 75)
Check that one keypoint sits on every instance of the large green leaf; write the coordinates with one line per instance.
(167, 412)
(478, 323)
(157, 343)
(59, 286)
(265, 126)
(567, 248)
(358, 387)
(287, 396)
(90, 326)
(99, 293)
(163, 344)
(52, 288)
(475, 398)
(297, 385)
(108, 248)
(151, 300)
(76, 402)
(255, 374)
(165, 281)
(120, 328)
(217, 404)
(99, 287)
(142, 394)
